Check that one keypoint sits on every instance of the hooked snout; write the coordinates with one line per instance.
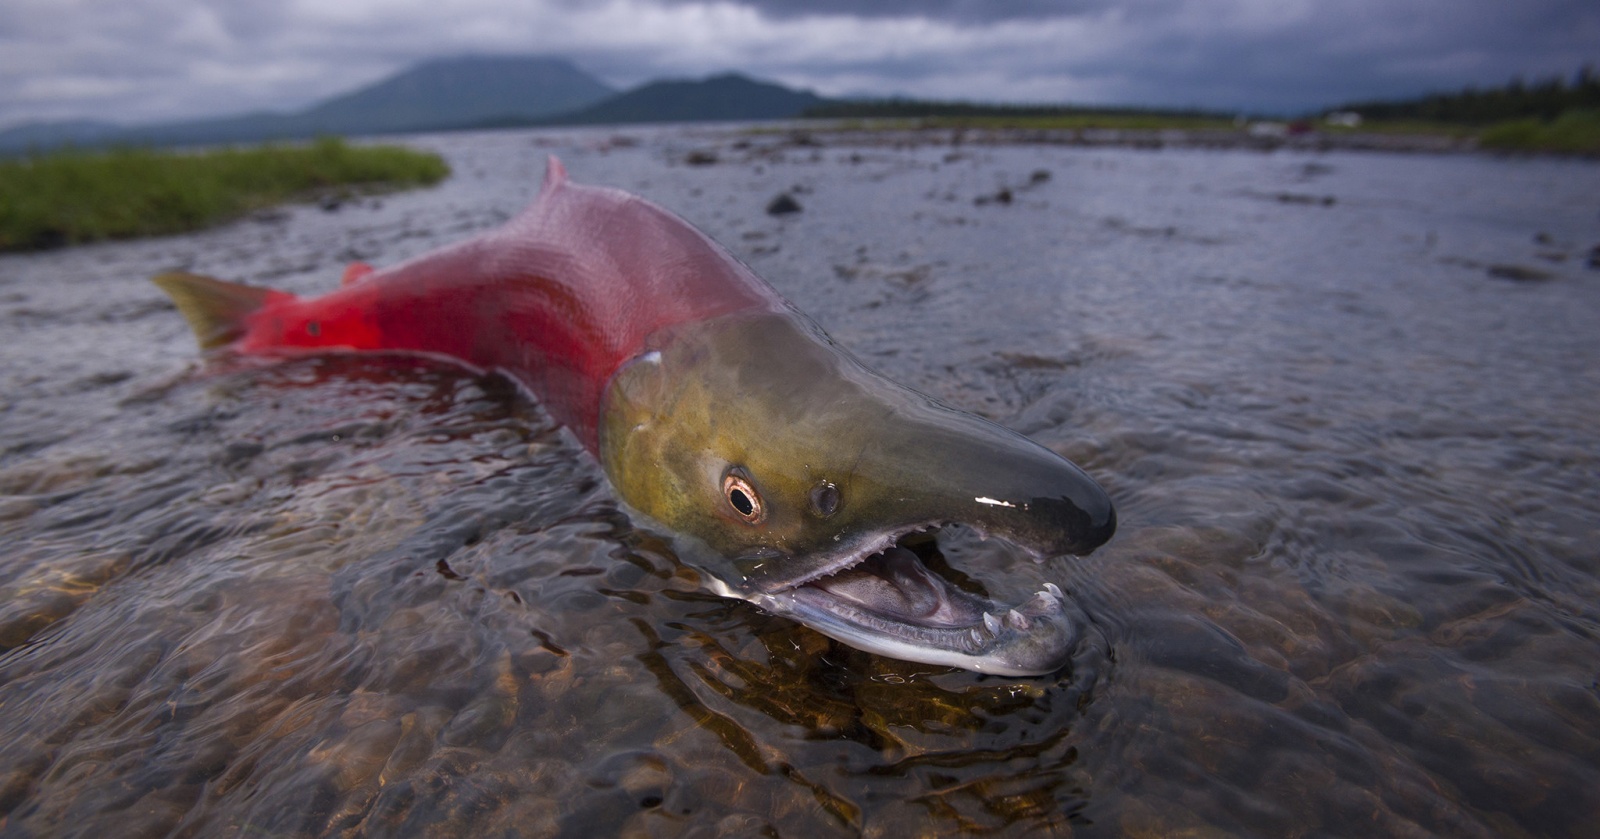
(962, 469)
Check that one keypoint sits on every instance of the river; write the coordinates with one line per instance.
(1348, 405)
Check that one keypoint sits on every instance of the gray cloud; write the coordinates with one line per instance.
(141, 60)
(965, 11)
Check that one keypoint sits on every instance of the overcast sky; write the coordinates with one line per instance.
(144, 60)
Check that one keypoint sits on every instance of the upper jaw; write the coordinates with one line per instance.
(770, 571)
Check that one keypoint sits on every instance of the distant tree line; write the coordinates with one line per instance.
(1544, 100)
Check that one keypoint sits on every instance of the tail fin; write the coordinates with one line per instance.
(217, 311)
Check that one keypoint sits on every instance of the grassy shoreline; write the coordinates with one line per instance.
(1575, 131)
(74, 197)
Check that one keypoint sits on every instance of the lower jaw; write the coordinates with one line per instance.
(1043, 648)
(952, 627)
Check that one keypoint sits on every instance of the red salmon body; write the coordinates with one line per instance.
(557, 298)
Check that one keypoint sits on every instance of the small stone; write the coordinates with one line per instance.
(783, 205)
(1311, 200)
(1003, 196)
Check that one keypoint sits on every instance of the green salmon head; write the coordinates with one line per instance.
(807, 484)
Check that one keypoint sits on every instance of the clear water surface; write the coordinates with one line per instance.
(1356, 589)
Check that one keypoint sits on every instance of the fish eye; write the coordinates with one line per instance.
(742, 497)
(825, 499)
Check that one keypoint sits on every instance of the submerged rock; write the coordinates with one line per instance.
(1519, 273)
(1309, 200)
(783, 205)
(1002, 196)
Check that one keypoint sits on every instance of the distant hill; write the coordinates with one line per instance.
(434, 95)
(245, 128)
(727, 97)
(78, 132)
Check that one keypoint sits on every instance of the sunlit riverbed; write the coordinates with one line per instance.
(1346, 404)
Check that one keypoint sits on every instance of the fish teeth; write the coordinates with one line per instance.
(991, 622)
(1016, 619)
(1055, 590)
(1042, 603)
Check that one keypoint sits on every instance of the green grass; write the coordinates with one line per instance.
(1575, 131)
(71, 197)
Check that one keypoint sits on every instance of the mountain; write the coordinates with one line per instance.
(434, 95)
(452, 93)
(727, 97)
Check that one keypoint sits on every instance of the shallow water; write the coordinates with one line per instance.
(1354, 591)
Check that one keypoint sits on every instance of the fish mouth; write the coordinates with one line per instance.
(889, 597)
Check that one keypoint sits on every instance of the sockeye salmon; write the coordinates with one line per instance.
(789, 473)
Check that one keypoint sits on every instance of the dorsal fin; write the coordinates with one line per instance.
(355, 272)
(555, 174)
(217, 311)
